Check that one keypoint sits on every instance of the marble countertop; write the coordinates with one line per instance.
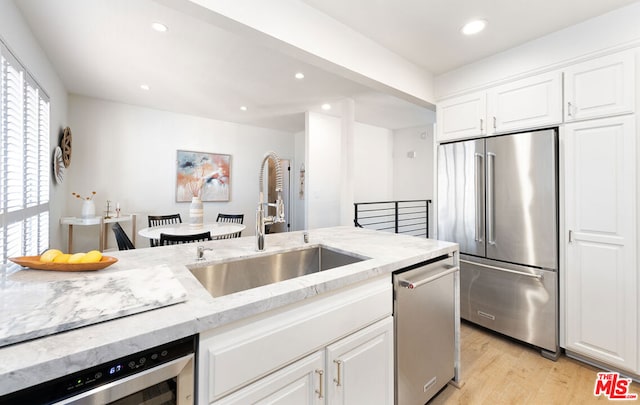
(34, 361)
(36, 304)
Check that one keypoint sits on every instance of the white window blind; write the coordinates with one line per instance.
(24, 159)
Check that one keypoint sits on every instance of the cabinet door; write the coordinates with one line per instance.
(297, 384)
(360, 367)
(600, 87)
(601, 268)
(533, 102)
(461, 117)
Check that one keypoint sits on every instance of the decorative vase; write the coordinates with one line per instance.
(88, 209)
(196, 213)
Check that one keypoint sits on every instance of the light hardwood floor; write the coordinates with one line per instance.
(497, 370)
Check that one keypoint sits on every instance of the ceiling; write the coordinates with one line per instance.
(106, 49)
(426, 32)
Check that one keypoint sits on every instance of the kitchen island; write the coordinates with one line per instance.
(31, 362)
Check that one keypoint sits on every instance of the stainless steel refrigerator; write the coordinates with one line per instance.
(498, 199)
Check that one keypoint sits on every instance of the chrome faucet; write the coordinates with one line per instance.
(200, 252)
(261, 219)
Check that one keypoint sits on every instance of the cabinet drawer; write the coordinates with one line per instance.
(235, 356)
(501, 300)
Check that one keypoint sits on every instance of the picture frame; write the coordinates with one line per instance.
(204, 175)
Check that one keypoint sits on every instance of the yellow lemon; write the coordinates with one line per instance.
(77, 257)
(62, 258)
(93, 256)
(49, 255)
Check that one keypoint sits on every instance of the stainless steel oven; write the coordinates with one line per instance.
(161, 375)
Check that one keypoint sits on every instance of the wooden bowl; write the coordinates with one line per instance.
(33, 262)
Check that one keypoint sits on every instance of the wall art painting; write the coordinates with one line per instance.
(202, 174)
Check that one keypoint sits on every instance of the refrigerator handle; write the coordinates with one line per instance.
(491, 238)
(479, 178)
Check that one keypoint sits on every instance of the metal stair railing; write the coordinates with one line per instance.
(403, 216)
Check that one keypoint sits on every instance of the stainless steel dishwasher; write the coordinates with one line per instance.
(424, 322)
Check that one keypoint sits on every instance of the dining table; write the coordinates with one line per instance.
(215, 228)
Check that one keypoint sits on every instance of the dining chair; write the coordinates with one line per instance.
(167, 239)
(124, 243)
(230, 218)
(157, 220)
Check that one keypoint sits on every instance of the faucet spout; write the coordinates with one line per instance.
(261, 219)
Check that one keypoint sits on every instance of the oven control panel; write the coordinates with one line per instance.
(85, 380)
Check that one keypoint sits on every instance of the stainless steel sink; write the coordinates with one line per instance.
(239, 275)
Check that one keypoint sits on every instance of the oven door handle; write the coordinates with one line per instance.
(411, 285)
(182, 367)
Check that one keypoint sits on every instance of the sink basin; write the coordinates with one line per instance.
(239, 275)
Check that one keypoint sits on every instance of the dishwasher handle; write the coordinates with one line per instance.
(411, 285)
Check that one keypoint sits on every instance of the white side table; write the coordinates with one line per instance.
(104, 227)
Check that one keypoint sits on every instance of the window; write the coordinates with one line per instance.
(24, 159)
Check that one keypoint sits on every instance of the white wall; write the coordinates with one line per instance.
(16, 34)
(413, 177)
(128, 154)
(374, 176)
(381, 169)
(299, 216)
(324, 171)
(347, 125)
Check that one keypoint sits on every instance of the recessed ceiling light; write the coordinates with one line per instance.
(243, 108)
(144, 86)
(473, 27)
(299, 76)
(326, 107)
(159, 27)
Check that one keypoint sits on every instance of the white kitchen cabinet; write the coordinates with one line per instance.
(601, 272)
(461, 117)
(534, 102)
(360, 367)
(241, 355)
(301, 383)
(357, 369)
(600, 87)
